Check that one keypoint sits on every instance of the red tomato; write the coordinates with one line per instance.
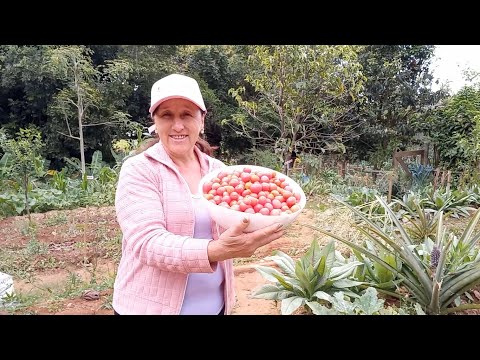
(245, 177)
(256, 188)
(258, 207)
(252, 192)
(291, 201)
(264, 211)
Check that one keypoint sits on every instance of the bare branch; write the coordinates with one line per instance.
(71, 102)
(68, 126)
(103, 123)
(70, 136)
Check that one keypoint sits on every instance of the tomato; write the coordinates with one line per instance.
(256, 187)
(245, 177)
(264, 211)
(292, 200)
(263, 192)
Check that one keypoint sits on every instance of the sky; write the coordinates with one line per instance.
(449, 62)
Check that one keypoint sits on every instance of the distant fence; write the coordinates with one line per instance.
(441, 177)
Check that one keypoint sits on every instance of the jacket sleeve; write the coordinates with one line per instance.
(140, 214)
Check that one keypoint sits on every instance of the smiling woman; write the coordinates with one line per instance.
(179, 123)
(175, 258)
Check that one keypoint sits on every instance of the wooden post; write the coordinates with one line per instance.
(449, 177)
(344, 165)
(390, 187)
(427, 149)
(442, 181)
(435, 179)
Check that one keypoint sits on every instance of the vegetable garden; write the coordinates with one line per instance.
(373, 238)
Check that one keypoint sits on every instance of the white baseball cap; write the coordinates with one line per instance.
(176, 86)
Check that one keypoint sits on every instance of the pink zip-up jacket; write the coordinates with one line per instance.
(155, 212)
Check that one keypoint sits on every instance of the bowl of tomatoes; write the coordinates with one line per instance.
(263, 195)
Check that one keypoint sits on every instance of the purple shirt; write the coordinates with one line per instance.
(204, 293)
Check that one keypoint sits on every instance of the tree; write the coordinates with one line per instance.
(26, 88)
(397, 98)
(25, 152)
(299, 97)
(454, 128)
(83, 90)
(217, 69)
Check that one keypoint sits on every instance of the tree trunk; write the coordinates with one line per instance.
(81, 112)
(27, 207)
(82, 150)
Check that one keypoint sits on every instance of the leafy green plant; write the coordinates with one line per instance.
(364, 200)
(18, 301)
(59, 180)
(313, 185)
(315, 276)
(26, 159)
(367, 304)
(436, 284)
(423, 222)
(452, 202)
(421, 175)
(261, 157)
(373, 272)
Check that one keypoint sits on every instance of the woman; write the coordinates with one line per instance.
(175, 259)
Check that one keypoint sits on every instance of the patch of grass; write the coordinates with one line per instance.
(112, 245)
(49, 262)
(16, 263)
(82, 245)
(53, 297)
(28, 229)
(245, 261)
(55, 305)
(107, 302)
(72, 230)
(72, 287)
(34, 247)
(57, 219)
(18, 302)
(108, 281)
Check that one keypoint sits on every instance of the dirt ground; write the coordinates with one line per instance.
(65, 264)
(55, 261)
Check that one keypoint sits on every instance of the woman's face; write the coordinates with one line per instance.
(178, 123)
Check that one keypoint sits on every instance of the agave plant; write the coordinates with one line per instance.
(423, 222)
(373, 272)
(421, 175)
(312, 278)
(434, 284)
(455, 202)
(367, 304)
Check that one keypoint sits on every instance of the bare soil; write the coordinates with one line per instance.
(65, 264)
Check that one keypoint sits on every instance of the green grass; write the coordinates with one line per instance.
(57, 219)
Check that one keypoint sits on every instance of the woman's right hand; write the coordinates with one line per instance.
(235, 243)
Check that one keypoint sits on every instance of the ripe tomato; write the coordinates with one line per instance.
(249, 191)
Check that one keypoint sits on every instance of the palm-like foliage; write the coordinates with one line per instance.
(422, 222)
(373, 272)
(315, 276)
(454, 202)
(435, 285)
